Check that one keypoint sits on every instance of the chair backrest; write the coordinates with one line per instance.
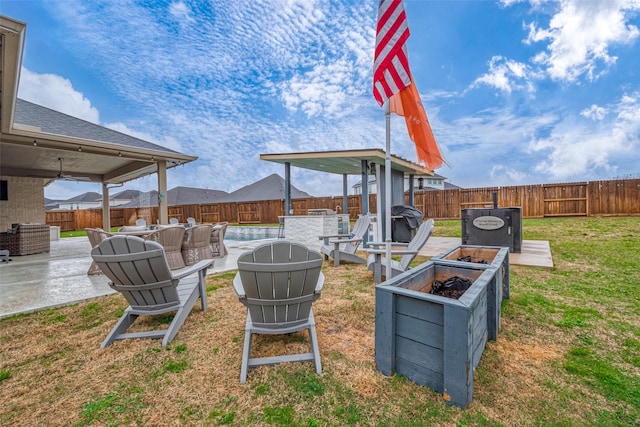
(218, 230)
(138, 269)
(199, 236)
(174, 221)
(418, 241)
(170, 238)
(191, 220)
(96, 235)
(279, 280)
(141, 221)
(359, 229)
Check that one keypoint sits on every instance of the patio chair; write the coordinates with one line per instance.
(378, 264)
(344, 246)
(138, 270)
(195, 246)
(217, 239)
(95, 235)
(171, 239)
(174, 221)
(141, 222)
(191, 221)
(278, 282)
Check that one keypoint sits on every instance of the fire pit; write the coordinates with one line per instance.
(484, 257)
(434, 340)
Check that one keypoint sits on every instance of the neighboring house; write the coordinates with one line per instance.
(88, 200)
(123, 197)
(177, 196)
(269, 188)
(420, 182)
(50, 204)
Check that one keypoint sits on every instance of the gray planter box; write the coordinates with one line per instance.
(433, 340)
(497, 257)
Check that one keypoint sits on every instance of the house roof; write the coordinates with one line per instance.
(345, 161)
(269, 188)
(178, 196)
(33, 138)
(90, 196)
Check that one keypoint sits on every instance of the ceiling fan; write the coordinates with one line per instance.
(66, 177)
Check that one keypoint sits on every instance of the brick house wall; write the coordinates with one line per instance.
(25, 201)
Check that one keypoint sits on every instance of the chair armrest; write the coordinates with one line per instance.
(331, 236)
(200, 265)
(320, 284)
(237, 286)
(393, 252)
(382, 244)
(353, 239)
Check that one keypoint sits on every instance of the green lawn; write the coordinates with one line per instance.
(568, 353)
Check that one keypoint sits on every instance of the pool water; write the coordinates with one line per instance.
(250, 233)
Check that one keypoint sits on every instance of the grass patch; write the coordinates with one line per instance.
(114, 408)
(567, 353)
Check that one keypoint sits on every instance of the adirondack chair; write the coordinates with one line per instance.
(278, 282)
(378, 264)
(138, 270)
(171, 238)
(196, 244)
(344, 246)
(95, 236)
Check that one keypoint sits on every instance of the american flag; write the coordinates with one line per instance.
(391, 71)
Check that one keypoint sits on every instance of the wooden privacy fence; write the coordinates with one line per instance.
(594, 198)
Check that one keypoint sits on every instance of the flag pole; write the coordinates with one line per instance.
(387, 186)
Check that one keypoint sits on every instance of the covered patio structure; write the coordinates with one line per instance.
(39, 145)
(363, 162)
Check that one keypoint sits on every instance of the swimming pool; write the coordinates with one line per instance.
(250, 233)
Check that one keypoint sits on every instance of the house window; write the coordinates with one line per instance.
(4, 194)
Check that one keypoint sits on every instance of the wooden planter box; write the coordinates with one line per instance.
(433, 340)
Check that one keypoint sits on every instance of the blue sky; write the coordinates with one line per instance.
(517, 91)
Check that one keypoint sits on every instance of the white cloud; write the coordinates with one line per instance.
(579, 37)
(506, 75)
(181, 12)
(594, 112)
(57, 93)
(574, 149)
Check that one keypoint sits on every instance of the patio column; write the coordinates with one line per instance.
(365, 186)
(411, 188)
(345, 195)
(287, 188)
(106, 209)
(163, 209)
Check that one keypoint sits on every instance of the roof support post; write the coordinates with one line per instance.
(365, 186)
(106, 209)
(287, 189)
(163, 203)
(345, 194)
(411, 188)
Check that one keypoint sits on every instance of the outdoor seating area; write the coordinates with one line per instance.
(25, 239)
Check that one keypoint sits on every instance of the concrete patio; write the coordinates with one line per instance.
(36, 282)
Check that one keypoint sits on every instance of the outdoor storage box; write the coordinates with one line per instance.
(493, 227)
(433, 340)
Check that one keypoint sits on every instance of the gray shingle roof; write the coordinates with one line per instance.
(90, 196)
(269, 188)
(54, 122)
